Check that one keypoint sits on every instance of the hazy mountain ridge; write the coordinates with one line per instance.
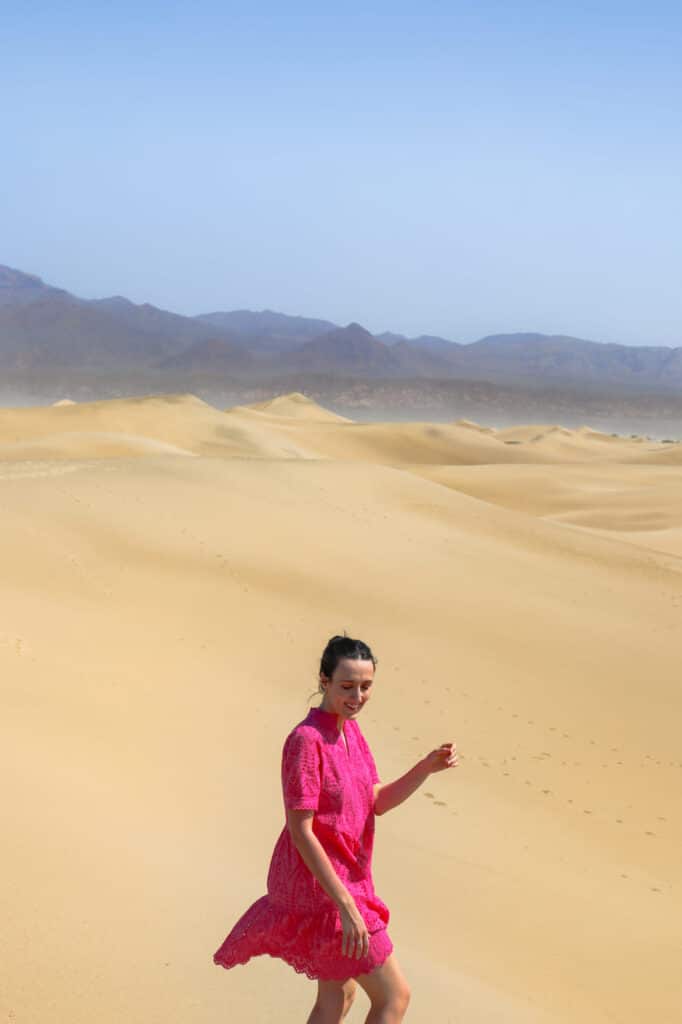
(42, 328)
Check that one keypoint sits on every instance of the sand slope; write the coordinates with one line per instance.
(294, 427)
(163, 619)
(182, 421)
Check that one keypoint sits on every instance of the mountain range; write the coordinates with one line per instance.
(47, 329)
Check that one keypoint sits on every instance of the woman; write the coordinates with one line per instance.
(321, 914)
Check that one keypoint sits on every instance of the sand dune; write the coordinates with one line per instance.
(386, 443)
(182, 421)
(471, 425)
(297, 406)
(294, 427)
(163, 619)
(435, 443)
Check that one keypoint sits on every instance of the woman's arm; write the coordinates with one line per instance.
(393, 793)
(300, 825)
(355, 937)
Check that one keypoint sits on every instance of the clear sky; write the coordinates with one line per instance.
(444, 168)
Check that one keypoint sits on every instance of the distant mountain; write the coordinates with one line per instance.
(415, 360)
(214, 355)
(343, 350)
(19, 289)
(388, 338)
(267, 331)
(425, 342)
(170, 330)
(60, 331)
(555, 359)
(44, 328)
(435, 344)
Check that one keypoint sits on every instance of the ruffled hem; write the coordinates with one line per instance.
(311, 944)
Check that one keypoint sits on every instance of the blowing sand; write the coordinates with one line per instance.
(171, 573)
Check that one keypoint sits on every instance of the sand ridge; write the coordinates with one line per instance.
(294, 426)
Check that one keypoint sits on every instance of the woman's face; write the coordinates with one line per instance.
(349, 688)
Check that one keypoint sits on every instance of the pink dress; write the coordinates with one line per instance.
(296, 920)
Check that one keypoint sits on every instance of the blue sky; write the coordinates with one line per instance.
(445, 168)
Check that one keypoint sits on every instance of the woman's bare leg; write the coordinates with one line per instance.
(334, 1000)
(388, 991)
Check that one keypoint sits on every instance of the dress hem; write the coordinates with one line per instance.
(302, 968)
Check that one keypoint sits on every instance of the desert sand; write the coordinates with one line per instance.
(171, 574)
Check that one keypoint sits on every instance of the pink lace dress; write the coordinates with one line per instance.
(296, 920)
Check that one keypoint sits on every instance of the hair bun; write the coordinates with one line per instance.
(343, 647)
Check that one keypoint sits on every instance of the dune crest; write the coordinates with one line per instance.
(296, 405)
(293, 426)
(472, 425)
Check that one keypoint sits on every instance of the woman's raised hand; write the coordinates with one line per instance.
(355, 940)
(445, 756)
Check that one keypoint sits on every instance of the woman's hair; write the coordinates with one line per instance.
(343, 647)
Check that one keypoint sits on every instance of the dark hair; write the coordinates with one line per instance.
(343, 647)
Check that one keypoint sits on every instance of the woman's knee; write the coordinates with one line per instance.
(335, 999)
(349, 990)
(398, 999)
(387, 987)
(405, 995)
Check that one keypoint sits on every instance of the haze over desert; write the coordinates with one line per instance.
(171, 573)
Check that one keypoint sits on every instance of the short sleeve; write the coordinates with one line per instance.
(301, 775)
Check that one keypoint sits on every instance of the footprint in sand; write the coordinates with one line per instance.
(429, 795)
(441, 803)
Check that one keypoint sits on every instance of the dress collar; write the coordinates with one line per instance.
(325, 718)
